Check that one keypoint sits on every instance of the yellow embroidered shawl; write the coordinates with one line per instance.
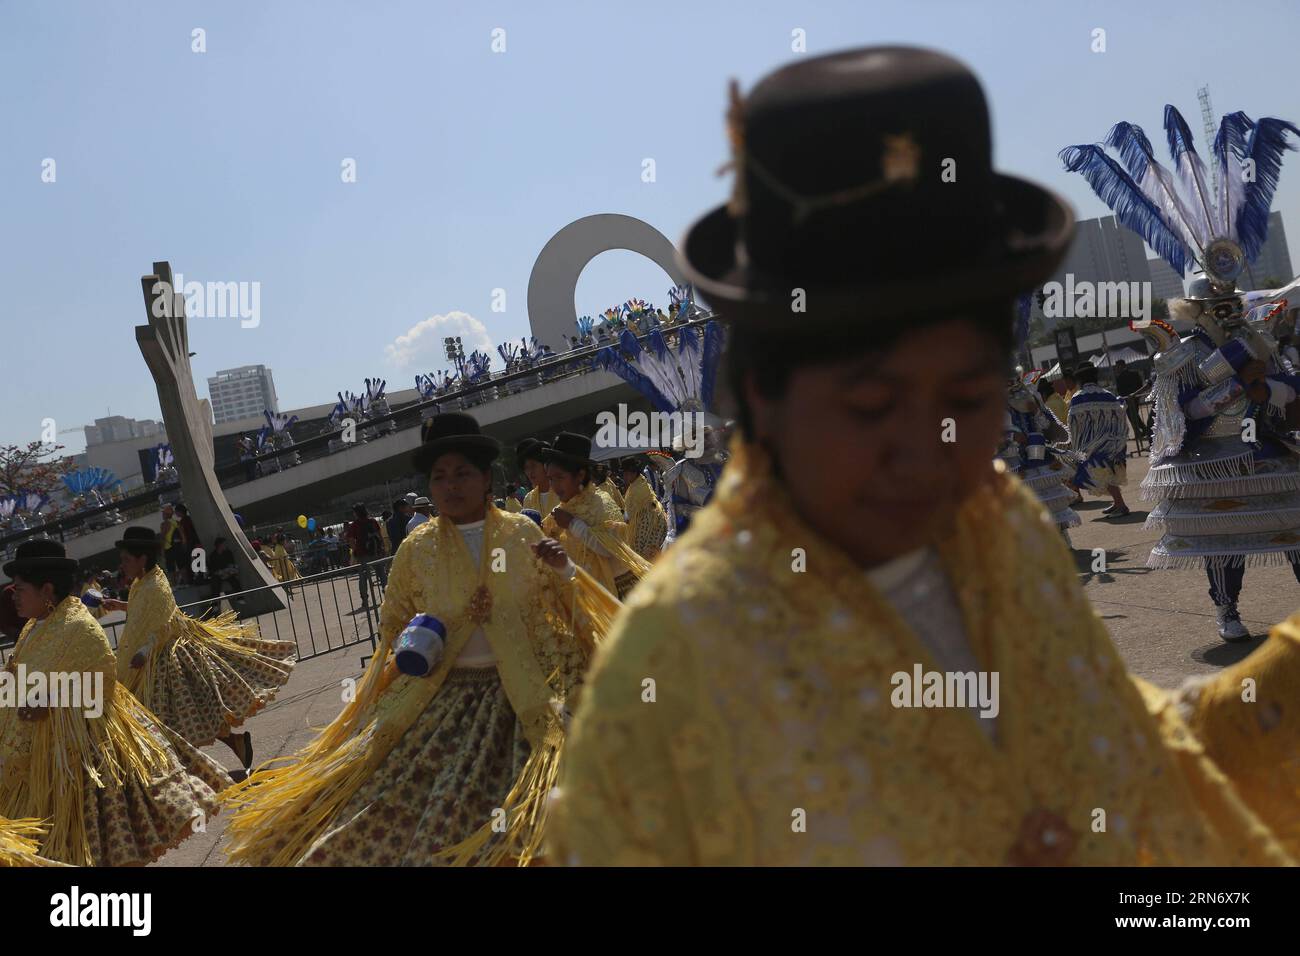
(154, 620)
(647, 523)
(605, 520)
(541, 630)
(539, 502)
(611, 489)
(772, 739)
(45, 764)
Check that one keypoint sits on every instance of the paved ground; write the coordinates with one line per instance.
(1161, 621)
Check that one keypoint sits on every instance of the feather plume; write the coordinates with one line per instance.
(1125, 198)
(1264, 149)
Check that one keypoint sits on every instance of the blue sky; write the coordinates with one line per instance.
(227, 163)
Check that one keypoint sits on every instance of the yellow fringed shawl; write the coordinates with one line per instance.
(605, 521)
(153, 619)
(45, 764)
(647, 522)
(543, 504)
(19, 840)
(774, 681)
(541, 631)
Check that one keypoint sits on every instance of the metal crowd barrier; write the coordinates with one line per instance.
(324, 612)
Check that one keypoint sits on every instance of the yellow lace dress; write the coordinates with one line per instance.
(201, 677)
(111, 788)
(455, 766)
(647, 522)
(615, 565)
(741, 712)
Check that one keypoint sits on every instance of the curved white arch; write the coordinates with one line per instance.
(553, 283)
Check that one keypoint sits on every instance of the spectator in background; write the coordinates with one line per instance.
(384, 517)
(1128, 382)
(397, 523)
(333, 549)
(246, 452)
(223, 573)
(367, 543)
(189, 540)
(173, 547)
(421, 509)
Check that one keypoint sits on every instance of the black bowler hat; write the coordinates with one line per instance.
(530, 448)
(842, 169)
(454, 431)
(569, 450)
(42, 554)
(136, 538)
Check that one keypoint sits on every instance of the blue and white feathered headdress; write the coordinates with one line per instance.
(673, 379)
(277, 421)
(1179, 213)
(90, 479)
(375, 390)
(8, 505)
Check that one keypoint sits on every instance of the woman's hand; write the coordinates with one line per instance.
(113, 604)
(551, 552)
(562, 517)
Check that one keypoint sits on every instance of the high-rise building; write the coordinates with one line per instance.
(1274, 261)
(119, 428)
(243, 392)
(1165, 282)
(1102, 251)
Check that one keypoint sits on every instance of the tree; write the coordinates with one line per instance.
(25, 468)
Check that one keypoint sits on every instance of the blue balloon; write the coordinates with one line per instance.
(239, 520)
(311, 524)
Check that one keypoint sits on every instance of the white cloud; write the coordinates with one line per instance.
(421, 345)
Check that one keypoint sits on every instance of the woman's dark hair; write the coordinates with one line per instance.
(149, 554)
(772, 357)
(1045, 388)
(1086, 375)
(182, 509)
(62, 581)
(218, 542)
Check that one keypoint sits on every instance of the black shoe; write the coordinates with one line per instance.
(248, 751)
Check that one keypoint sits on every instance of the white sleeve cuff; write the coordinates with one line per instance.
(1280, 394)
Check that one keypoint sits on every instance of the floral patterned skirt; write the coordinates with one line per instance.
(200, 688)
(137, 823)
(440, 784)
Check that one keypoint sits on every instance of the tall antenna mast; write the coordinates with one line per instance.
(1211, 129)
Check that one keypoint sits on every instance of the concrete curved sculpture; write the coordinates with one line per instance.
(165, 344)
(554, 280)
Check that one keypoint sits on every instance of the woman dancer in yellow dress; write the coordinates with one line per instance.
(871, 648)
(201, 677)
(453, 766)
(111, 784)
(587, 523)
(647, 523)
(539, 497)
(282, 564)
